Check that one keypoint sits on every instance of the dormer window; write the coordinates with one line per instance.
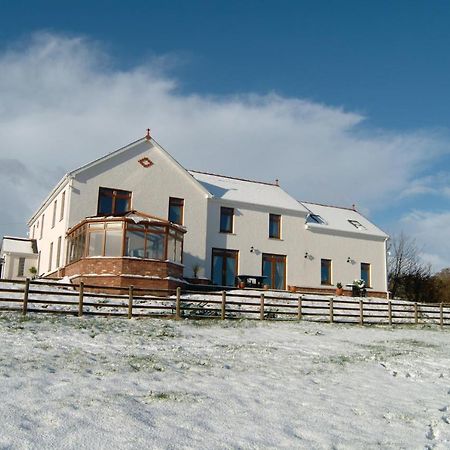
(357, 225)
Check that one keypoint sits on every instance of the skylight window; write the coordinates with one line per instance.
(357, 225)
(315, 218)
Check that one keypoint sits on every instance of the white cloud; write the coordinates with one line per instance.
(431, 231)
(63, 104)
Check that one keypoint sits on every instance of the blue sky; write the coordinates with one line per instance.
(364, 86)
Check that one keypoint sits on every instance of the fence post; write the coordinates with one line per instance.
(416, 314)
(80, 299)
(130, 302)
(390, 312)
(261, 308)
(224, 301)
(441, 314)
(26, 292)
(178, 304)
(299, 310)
(361, 312)
(331, 310)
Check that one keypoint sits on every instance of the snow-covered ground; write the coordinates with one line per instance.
(68, 382)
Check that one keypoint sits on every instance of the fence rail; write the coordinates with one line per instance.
(32, 296)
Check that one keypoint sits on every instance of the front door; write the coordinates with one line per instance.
(224, 266)
(274, 269)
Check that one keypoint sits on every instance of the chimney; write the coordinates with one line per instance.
(277, 182)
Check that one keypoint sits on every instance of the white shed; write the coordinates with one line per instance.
(18, 256)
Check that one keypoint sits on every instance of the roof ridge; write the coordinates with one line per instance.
(329, 206)
(233, 178)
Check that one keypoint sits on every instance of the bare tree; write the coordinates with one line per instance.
(408, 275)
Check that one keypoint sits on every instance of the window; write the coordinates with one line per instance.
(42, 226)
(105, 239)
(226, 219)
(55, 204)
(58, 253)
(365, 273)
(21, 267)
(224, 267)
(113, 201)
(275, 226)
(325, 271)
(176, 210)
(274, 269)
(357, 225)
(34, 230)
(63, 204)
(50, 256)
(315, 218)
(39, 262)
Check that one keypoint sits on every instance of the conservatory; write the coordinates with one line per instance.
(130, 249)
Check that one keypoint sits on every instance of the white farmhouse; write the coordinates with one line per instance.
(17, 257)
(136, 216)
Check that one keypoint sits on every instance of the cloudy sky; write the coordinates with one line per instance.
(342, 108)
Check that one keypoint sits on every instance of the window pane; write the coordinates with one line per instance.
(135, 244)
(113, 245)
(325, 271)
(274, 225)
(176, 210)
(279, 274)
(171, 248)
(365, 273)
(178, 251)
(121, 206)
(226, 220)
(95, 244)
(155, 246)
(267, 272)
(217, 267)
(230, 271)
(105, 205)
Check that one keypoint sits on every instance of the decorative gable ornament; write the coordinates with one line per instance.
(145, 162)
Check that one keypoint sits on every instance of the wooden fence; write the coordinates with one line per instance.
(57, 298)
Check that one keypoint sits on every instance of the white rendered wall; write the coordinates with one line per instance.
(151, 188)
(51, 233)
(251, 229)
(11, 265)
(339, 248)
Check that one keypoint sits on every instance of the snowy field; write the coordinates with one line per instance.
(94, 383)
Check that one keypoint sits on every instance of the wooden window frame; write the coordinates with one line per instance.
(21, 266)
(224, 252)
(55, 205)
(227, 211)
(275, 218)
(114, 194)
(274, 258)
(369, 271)
(63, 205)
(50, 257)
(41, 235)
(175, 201)
(329, 282)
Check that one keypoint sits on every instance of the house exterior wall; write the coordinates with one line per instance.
(339, 247)
(151, 188)
(251, 229)
(45, 233)
(11, 265)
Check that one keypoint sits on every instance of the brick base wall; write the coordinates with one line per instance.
(125, 272)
